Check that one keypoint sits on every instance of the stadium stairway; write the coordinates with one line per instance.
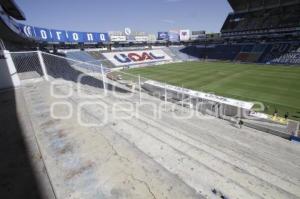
(251, 53)
(169, 52)
(87, 61)
(82, 56)
(98, 56)
(90, 162)
(178, 55)
(111, 151)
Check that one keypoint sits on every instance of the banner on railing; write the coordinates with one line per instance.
(62, 36)
(202, 95)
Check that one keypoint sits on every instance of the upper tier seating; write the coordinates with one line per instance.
(274, 18)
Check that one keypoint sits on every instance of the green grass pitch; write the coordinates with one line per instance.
(274, 86)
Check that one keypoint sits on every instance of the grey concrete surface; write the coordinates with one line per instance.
(22, 171)
(135, 154)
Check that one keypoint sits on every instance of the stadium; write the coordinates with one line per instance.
(172, 114)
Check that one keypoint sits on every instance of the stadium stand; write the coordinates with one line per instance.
(240, 52)
(95, 54)
(289, 58)
(251, 53)
(261, 53)
(244, 53)
(172, 53)
(98, 56)
(262, 17)
(276, 50)
(82, 56)
(129, 48)
(272, 23)
(215, 52)
(86, 58)
(179, 55)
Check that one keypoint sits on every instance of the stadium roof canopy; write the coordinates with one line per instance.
(12, 9)
(9, 28)
(253, 5)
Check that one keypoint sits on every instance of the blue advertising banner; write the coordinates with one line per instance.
(27, 30)
(75, 37)
(162, 36)
(58, 35)
(87, 37)
(103, 37)
(44, 34)
(91, 37)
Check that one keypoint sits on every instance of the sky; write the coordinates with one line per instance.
(114, 15)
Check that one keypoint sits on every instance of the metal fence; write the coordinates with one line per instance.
(27, 64)
(37, 64)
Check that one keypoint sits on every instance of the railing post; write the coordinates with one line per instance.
(182, 97)
(12, 69)
(103, 79)
(43, 66)
(140, 89)
(165, 97)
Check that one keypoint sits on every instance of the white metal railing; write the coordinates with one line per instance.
(27, 64)
(33, 64)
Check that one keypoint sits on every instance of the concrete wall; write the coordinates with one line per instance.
(8, 74)
(5, 78)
